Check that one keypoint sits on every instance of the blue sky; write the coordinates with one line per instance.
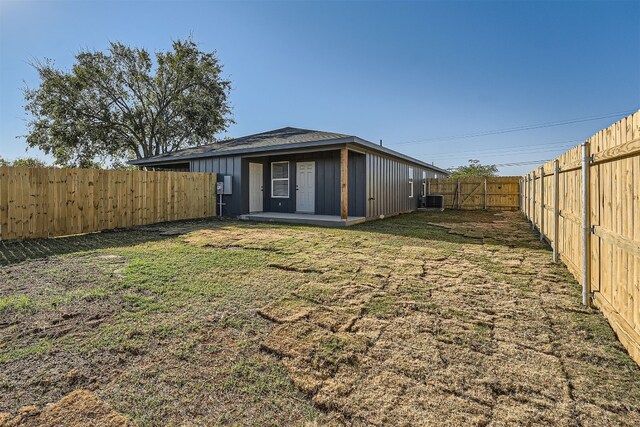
(414, 74)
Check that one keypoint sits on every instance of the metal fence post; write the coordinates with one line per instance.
(533, 201)
(521, 195)
(529, 196)
(485, 194)
(541, 203)
(556, 213)
(586, 228)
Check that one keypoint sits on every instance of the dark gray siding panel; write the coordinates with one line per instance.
(357, 190)
(387, 185)
(327, 182)
(225, 166)
(279, 204)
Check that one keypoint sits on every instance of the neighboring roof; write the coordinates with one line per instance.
(278, 139)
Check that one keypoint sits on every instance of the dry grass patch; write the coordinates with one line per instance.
(453, 318)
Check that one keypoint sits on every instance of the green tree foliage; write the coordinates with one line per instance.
(121, 104)
(24, 162)
(29, 162)
(474, 168)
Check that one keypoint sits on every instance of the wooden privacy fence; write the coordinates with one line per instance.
(586, 203)
(47, 202)
(496, 192)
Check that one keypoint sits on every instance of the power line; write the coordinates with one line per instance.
(530, 162)
(558, 143)
(511, 155)
(506, 150)
(516, 129)
(451, 157)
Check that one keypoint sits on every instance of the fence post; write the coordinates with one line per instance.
(586, 228)
(526, 206)
(541, 203)
(556, 213)
(533, 201)
(485, 194)
(520, 195)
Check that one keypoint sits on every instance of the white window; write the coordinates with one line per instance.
(424, 183)
(410, 183)
(280, 180)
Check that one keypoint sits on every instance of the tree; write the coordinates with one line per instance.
(3, 162)
(121, 104)
(474, 168)
(28, 162)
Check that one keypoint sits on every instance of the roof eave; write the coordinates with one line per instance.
(241, 151)
(394, 153)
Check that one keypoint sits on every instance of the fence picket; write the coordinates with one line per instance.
(501, 193)
(605, 256)
(46, 202)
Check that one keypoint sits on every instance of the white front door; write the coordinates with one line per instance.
(306, 187)
(256, 181)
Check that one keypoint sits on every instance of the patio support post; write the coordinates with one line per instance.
(344, 183)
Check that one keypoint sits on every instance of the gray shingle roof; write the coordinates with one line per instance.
(285, 138)
(272, 138)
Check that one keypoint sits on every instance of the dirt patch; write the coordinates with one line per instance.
(78, 408)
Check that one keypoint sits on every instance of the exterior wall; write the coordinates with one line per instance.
(378, 185)
(357, 184)
(387, 185)
(174, 167)
(231, 165)
(327, 183)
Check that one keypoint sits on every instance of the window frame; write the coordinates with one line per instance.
(424, 183)
(287, 179)
(410, 173)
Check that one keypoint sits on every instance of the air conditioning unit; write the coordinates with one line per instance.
(432, 201)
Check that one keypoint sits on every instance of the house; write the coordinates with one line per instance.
(301, 175)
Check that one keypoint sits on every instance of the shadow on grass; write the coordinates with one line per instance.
(15, 251)
(417, 225)
(458, 226)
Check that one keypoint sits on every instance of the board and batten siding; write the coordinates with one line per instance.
(327, 182)
(231, 165)
(387, 185)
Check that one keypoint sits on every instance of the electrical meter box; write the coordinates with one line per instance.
(219, 188)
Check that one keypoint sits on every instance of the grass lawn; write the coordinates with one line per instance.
(421, 319)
